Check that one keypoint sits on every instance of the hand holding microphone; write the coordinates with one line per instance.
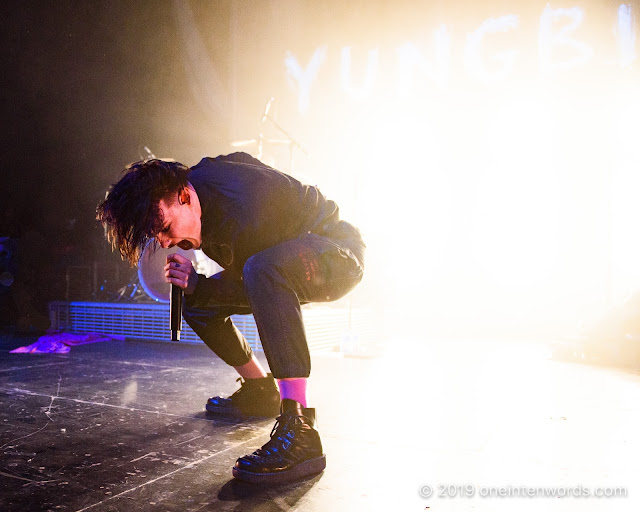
(180, 273)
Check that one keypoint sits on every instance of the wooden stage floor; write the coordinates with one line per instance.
(119, 426)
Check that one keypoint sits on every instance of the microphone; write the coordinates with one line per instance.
(175, 315)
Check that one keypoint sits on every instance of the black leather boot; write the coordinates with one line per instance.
(256, 397)
(294, 450)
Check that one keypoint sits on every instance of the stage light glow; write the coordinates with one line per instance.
(370, 74)
(475, 150)
(411, 59)
(302, 79)
(516, 238)
(473, 59)
(624, 205)
(626, 35)
(550, 38)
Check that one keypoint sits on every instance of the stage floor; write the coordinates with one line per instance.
(119, 426)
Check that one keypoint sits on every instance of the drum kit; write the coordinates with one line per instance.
(147, 284)
(151, 269)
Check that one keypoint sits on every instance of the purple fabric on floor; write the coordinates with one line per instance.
(61, 342)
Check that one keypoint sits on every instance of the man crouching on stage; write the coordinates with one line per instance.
(280, 243)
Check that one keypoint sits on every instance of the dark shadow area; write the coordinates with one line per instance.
(253, 496)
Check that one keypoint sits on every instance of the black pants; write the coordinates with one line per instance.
(311, 268)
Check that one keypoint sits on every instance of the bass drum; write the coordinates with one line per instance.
(151, 269)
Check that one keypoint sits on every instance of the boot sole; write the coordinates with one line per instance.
(236, 414)
(304, 469)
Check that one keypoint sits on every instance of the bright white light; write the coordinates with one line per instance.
(301, 79)
(364, 90)
(472, 55)
(484, 204)
(625, 201)
(410, 59)
(516, 235)
(626, 35)
(549, 39)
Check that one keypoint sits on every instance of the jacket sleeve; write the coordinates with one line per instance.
(223, 288)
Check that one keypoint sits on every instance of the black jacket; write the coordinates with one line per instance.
(248, 206)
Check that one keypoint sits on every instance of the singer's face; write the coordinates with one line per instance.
(181, 224)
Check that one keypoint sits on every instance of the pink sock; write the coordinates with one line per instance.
(295, 389)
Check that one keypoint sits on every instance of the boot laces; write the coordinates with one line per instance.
(282, 423)
(241, 391)
(281, 435)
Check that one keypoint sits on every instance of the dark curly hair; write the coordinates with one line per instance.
(130, 213)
